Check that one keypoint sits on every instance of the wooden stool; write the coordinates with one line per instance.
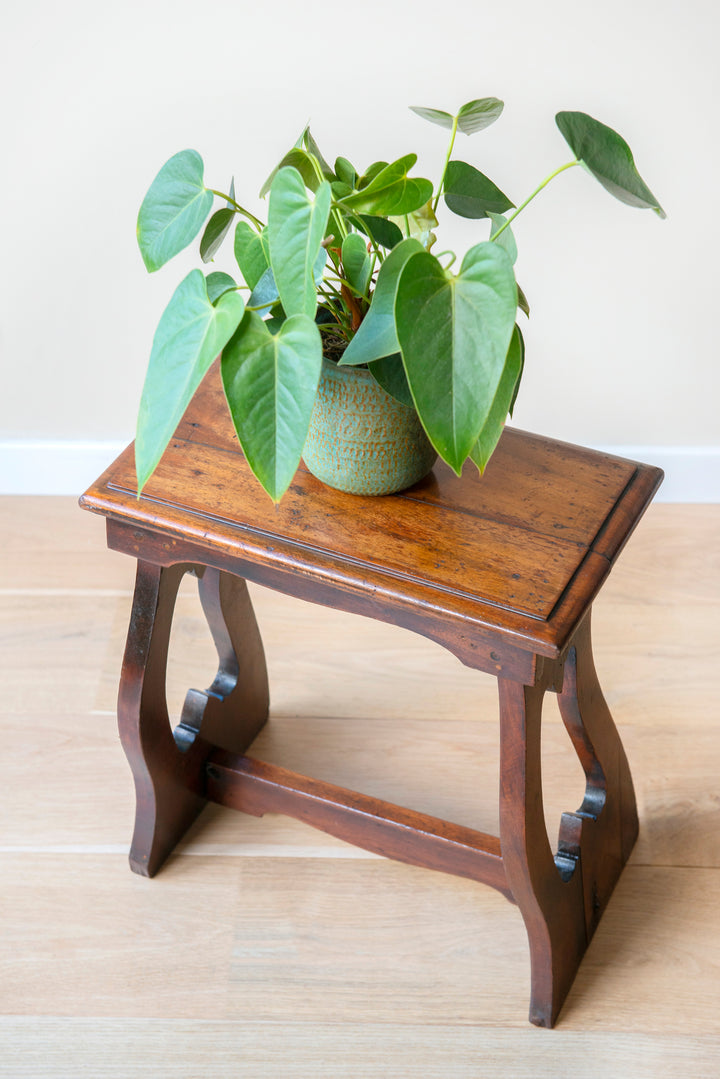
(501, 570)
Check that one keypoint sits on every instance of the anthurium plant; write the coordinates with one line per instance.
(344, 267)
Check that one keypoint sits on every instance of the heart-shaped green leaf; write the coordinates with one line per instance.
(385, 233)
(218, 284)
(345, 171)
(299, 159)
(389, 373)
(479, 114)
(608, 157)
(469, 193)
(215, 232)
(295, 230)
(250, 253)
(376, 336)
(370, 173)
(265, 294)
(502, 403)
(517, 332)
(391, 191)
(270, 384)
(173, 211)
(454, 334)
(435, 116)
(191, 333)
(522, 302)
(312, 147)
(357, 264)
(472, 117)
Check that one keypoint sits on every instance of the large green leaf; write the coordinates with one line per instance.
(173, 211)
(312, 147)
(472, 117)
(250, 253)
(479, 114)
(391, 191)
(389, 373)
(295, 230)
(385, 233)
(215, 232)
(370, 173)
(608, 157)
(270, 384)
(454, 334)
(435, 116)
(340, 189)
(265, 293)
(346, 172)
(299, 159)
(217, 284)
(517, 331)
(357, 264)
(376, 336)
(502, 403)
(191, 332)
(469, 193)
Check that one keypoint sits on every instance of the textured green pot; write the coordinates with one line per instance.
(362, 440)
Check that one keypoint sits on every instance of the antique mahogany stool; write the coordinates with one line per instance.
(501, 570)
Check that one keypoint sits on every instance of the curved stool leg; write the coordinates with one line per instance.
(606, 825)
(168, 768)
(562, 897)
(551, 908)
(231, 713)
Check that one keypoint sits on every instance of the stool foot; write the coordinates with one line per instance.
(167, 766)
(562, 897)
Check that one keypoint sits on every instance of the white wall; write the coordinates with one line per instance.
(96, 96)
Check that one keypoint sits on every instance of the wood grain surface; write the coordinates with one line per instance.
(517, 553)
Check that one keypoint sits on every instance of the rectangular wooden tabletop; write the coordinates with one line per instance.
(520, 551)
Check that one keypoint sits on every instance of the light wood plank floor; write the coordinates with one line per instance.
(267, 949)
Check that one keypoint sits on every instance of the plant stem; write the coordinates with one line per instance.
(240, 209)
(338, 223)
(370, 275)
(453, 258)
(337, 218)
(317, 167)
(343, 323)
(537, 191)
(329, 286)
(447, 162)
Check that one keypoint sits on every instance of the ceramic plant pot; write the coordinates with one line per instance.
(362, 440)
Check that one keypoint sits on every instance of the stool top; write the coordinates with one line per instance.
(520, 551)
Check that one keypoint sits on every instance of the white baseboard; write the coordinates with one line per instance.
(53, 468)
(692, 473)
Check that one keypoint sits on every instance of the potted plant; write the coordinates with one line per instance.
(343, 269)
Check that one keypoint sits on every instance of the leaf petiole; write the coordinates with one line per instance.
(453, 258)
(240, 209)
(453, 133)
(537, 191)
